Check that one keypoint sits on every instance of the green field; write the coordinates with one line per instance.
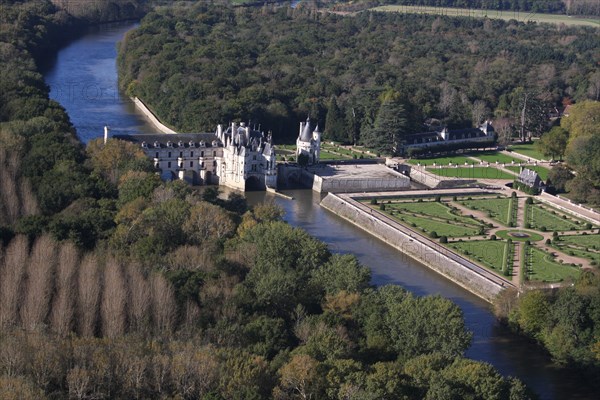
(472, 173)
(523, 16)
(585, 246)
(502, 210)
(540, 266)
(428, 225)
(460, 160)
(528, 150)
(540, 217)
(542, 172)
(493, 156)
(492, 254)
(433, 209)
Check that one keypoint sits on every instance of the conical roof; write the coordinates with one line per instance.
(306, 134)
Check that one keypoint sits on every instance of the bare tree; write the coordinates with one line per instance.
(164, 306)
(11, 280)
(479, 112)
(139, 300)
(114, 300)
(40, 283)
(63, 307)
(88, 295)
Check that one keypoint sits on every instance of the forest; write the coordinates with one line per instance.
(114, 285)
(198, 65)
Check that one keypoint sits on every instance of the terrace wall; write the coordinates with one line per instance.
(413, 245)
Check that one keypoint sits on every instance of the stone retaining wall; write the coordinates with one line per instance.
(411, 246)
(151, 117)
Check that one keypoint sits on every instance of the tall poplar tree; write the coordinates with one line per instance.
(335, 128)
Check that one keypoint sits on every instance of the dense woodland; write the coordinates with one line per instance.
(116, 285)
(197, 66)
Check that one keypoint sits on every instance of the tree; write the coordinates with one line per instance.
(582, 120)
(334, 123)
(116, 157)
(390, 126)
(582, 156)
(208, 222)
(299, 379)
(558, 177)
(533, 118)
(532, 312)
(342, 272)
(554, 143)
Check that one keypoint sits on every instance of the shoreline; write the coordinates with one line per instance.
(149, 115)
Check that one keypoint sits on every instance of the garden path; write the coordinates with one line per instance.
(516, 269)
(521, 212)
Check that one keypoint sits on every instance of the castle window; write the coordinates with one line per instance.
(169, 164)
(201, 154)
(214, 153)
(157, 154)
(254, 157)
(192, 154)
(215, 163)
(169, 155)
(191, 163)
(181, 154)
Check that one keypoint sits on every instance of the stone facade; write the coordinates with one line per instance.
(238, 157)
(309, 143)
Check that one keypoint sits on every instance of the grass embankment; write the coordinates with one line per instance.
(495, 156)
(523, 16)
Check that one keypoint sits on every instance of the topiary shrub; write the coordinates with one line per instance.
(438, 198)
(554, 234)
(433, 235)
(527, 225)
(382, 207)
(543, 228)
(444, 239)
(374, 201)
(529, 200)
(548, 242)
(493, 237)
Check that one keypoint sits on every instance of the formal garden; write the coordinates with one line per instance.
(473, 172)
(494, 232)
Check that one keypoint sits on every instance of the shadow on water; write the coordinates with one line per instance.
(83, 78)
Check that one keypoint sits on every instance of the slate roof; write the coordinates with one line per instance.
(306, 134)
(178, 140)
(530, 178)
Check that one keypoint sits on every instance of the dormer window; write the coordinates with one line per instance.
(192, 144)
(180, 144)
(169, 144)
(157, 145)
(144, 145)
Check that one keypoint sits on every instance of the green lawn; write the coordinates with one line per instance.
(427, 225)
(539, 217)
(585, 246)
(542, 267)
(591, 241)
(461, 160)
(528, 150)
(493, 156)
(523, 16)
(325, 155)
(533, 237)
(498, 209)
(433, 209)
(542, 172)
(492, 254)
(471, 173)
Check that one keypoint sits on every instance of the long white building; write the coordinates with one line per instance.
(238, 157)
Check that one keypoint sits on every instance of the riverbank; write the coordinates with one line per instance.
(459, 270)
(150, 116)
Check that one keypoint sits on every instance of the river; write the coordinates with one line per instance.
(83, 78)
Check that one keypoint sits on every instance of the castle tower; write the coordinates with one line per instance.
(308, 143)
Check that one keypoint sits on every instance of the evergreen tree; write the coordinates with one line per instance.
(390, 125)
(335, 128)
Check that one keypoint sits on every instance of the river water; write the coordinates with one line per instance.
(83, 78)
